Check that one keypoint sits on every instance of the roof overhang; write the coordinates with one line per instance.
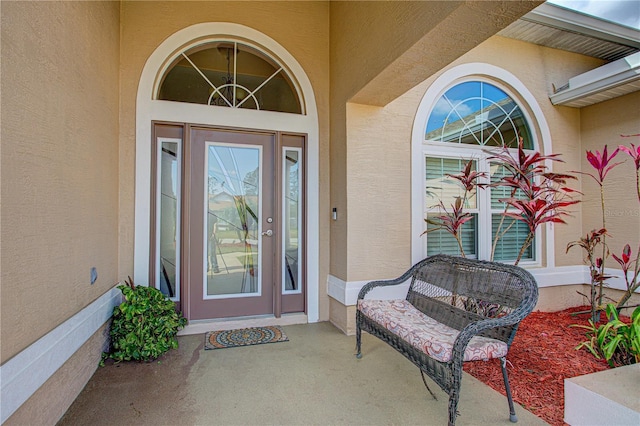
(561, 28)
(606, 82)
(578, 23)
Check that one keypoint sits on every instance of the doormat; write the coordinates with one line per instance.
(244, 337)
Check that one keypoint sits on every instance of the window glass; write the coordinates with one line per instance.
(230, 74)
(481, 114)
(441, 241)
(508, 246)
(168, 219)
(440, 187)
(478, 113)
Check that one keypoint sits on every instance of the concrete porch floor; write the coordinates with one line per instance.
(313, 379)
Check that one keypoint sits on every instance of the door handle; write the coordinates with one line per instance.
(268, 233)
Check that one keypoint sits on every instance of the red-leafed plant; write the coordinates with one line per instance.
(603, 164)
(589, 244)
(537, 196)
(633, 281)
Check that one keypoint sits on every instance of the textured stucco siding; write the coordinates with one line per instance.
(49, 403)
(379, 156)
(603, 124)
(379, 51)
(302, 28)
(59, 163)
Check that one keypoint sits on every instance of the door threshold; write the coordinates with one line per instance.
(203, 326)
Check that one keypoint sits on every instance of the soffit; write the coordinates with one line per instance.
(559, 28)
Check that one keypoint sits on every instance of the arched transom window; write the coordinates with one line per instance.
(230, 74)
(478, 113)
(466, 123)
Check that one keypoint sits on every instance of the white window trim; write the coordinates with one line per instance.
(491, 74)
(148, 110)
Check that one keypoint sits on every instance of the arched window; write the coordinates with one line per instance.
(230, 74)
(478, 113)
(471, 117)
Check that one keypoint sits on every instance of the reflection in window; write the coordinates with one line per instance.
(465, 123)
(292, 220)
(232, 264)
(230, 74)
(167, 262)
(478, 113)
(442, 188)
(513, 232)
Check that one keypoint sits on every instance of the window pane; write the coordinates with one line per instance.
(441, 241)
(478, 113)
(498, 172)
(232, 250)
(292, 220)
(167, 269)
(230, 74)
(443, 188)
(510, 243)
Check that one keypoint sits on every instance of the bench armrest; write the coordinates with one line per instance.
(475, 328)
(382, 283)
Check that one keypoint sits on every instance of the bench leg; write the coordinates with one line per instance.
(512, 412)
(358, 340)
(454, 392)
(453, 407)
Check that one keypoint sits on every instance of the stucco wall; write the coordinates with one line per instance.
(59, 163)
(300, 27)
(379, 50)
(379, 156)
(602, 124)
(50, 402)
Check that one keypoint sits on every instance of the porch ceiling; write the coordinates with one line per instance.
(468, 25)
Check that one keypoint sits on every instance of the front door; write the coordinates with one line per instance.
(230, 221)
(232, 206)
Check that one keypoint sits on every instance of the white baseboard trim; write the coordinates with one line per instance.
(22, 375)
(346, 292)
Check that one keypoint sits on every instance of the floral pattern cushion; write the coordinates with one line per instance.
(426, 334)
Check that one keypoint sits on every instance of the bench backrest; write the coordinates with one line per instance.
(457, 291)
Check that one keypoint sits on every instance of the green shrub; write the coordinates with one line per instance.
(144, 325)
(615, 341)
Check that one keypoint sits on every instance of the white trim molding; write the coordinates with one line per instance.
(22, 375)
(346, 292)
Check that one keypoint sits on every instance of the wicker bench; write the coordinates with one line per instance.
(456, 310)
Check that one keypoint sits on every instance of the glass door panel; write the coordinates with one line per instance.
(232, 214)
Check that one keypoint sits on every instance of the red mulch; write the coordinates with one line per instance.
(542, 355)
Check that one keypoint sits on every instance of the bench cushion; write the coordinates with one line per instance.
(426, 334)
